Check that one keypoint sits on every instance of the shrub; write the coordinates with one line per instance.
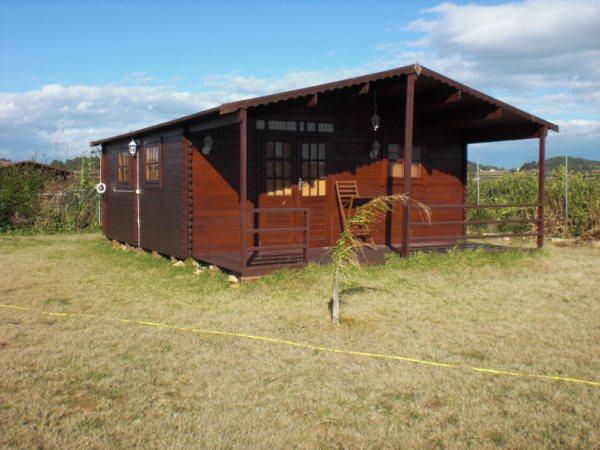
(32, 200)
(19, 196)
(521, 188)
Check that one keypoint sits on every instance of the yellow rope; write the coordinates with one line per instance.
(310, 346)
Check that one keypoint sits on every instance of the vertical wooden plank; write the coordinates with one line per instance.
(408, 150)
(541, 185)
(243, 186)
(104, 197)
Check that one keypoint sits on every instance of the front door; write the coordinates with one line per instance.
(293, 176)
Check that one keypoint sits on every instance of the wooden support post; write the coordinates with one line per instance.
(541, 184)
(408, 151)
(243, 187)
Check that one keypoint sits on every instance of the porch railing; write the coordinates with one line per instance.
(257, 230)
(465, 237)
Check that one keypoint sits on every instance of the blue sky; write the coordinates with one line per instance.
(74, 71)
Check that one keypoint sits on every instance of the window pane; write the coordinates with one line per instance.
(278, 150)
(305, 189)
(305, 151)
(322, 151)
(287, 151)
(322, 169)
(270, 171)
(287, 187)
(278, 186)
(314, 169)
(287, 169)
(415, 169)
(416, 154)
(151, 154)
(322, 187)
(270, 187)
(270, 150)
(278, 169)
(305, 169)
(313, 151)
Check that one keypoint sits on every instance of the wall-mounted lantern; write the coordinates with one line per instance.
(132, 147)
(207, 144)
(375, 150)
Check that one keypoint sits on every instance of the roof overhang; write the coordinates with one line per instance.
(362, 83)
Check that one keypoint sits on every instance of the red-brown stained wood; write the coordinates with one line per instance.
(195, 208)
(541, 185)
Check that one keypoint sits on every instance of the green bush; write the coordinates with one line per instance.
(521, 188)
(19, 196)
(33, 201)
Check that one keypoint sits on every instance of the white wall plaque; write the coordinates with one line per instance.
(326, 127)
(282, 125)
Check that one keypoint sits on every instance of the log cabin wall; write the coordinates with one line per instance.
(215, 186)
(161, 203)
(441, 181)
(161, 206)
(215, 179)
(119, 202)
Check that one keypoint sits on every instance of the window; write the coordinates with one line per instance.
(279, 168)
(314, 156)
(153, 163)
(123, 168)
(396, 167)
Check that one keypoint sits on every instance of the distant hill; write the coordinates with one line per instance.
(556, 161)
(472, 167)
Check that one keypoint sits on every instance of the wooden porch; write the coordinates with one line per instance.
(262, 262)
(280, 225)
(258, 259)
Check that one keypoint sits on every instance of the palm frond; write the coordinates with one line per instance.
(345, 253)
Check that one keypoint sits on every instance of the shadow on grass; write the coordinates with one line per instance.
(363, 289)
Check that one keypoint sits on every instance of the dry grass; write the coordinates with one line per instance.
(73, 382)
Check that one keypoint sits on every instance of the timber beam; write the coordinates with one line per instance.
(223, 121)
(435, 99)
(458, 116)
(365, 89)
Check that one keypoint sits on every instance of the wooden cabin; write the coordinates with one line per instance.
(298, 161)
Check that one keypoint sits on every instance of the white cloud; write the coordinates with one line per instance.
(30, 122)
(542, 56)
(530, 44)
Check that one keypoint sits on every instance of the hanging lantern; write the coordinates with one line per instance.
(375, 119)
(132, 147)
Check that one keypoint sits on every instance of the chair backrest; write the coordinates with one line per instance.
(346, 190)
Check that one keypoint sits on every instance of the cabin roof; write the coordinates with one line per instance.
(45, 167)
(230, 107)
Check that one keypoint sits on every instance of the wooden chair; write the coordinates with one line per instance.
(347, 196)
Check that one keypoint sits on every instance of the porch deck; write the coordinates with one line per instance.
(258, 264)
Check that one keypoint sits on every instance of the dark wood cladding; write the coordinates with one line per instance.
(161, 204)
(119, 199)
(215, 185)
(195, 210)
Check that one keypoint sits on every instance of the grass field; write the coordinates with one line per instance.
(79, 381)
